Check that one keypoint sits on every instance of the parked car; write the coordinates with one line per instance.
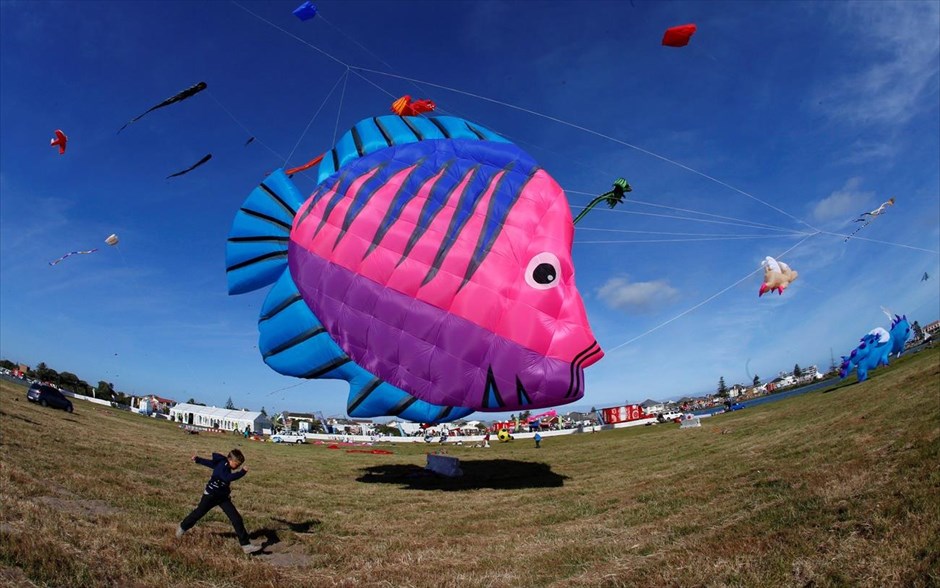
(48, 396)
(289, 438)
(669, 416)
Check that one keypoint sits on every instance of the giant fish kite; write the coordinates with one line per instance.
(777, 276)
(431, 269)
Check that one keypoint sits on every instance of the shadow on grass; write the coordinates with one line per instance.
(841, 386)
(301, 526)
(498, 474)
(16, 416)
(270, 536)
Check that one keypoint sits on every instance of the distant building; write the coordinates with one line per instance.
(152, 404)
(210, 417)
(736, 390)
(931, 328)
(651, 406)
(300, 421)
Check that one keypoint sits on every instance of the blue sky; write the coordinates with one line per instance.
(766, 135)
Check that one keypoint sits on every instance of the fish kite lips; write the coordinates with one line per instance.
(431, 268)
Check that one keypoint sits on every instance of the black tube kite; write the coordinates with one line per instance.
(191, 91)
(191, 168)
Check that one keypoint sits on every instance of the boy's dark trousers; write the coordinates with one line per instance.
(209, 502)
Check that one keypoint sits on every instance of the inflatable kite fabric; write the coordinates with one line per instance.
(305, 11)
(59, 141)
(431, 269)
(876, 348)
(678, 36)
(777, 276)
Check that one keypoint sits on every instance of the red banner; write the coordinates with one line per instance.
(623, 414)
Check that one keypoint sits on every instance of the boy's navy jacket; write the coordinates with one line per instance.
(222, 474)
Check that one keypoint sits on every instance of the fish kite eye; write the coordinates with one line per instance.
(543, 271)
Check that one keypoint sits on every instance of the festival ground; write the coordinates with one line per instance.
(836, 487)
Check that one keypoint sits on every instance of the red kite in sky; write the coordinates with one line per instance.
(60, 140)
(679, 36)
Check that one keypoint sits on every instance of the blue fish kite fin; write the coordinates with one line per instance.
(256, 251)
(295, 343)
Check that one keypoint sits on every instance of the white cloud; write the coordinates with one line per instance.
(906, 37)
(843, 202)
(620, 293)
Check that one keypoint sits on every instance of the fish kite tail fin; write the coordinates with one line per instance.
(369, 397)
(256, 250)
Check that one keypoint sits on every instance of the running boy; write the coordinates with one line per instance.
(217, 493)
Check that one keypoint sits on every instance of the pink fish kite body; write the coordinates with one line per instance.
(431, 268)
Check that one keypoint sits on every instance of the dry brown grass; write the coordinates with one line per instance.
(826, 489)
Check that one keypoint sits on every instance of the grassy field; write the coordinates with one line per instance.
(833, 488)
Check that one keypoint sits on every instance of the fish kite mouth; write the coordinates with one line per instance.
(591, 355)
(565, 379)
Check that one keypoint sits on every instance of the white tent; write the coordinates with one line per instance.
(210, 417)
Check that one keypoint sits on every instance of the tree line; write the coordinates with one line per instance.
(69, 381)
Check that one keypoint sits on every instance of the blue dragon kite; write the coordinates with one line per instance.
(876, 348)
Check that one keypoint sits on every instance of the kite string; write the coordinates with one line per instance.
(705, 220)
(290, 34)
(244, 128)
(729, 238)
(856, 238)
(339, 110)
(301, 383)
(315, 115)
(706, 301)
(591, 132)
(522, 109)
(560, 121)
(636, 231)
(730, 218)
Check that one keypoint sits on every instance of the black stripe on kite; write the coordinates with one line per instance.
(438, 124)
(287, 208)
(293, 342)
(259, 259)
(413, 128)
(384, 131)
(265, 217)
(476, 132)
(363, 394)
(357, 140)
(326, 368)
(280, 307)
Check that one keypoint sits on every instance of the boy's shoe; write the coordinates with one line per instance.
(179, 531)
(250, 548)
